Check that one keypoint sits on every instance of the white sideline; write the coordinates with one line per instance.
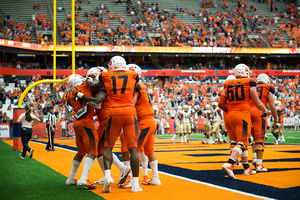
(191, 180)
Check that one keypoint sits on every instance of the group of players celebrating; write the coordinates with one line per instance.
(124, 110)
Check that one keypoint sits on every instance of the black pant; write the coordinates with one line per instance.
(50, 144)
(26, 134)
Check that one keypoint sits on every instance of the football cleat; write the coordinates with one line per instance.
(124, 174)
(136, 188)
(146, 180)
(172, 141)
(227, 167)
(127, 183)
(21, 156)
(101, 181)
(283, 140)
(31, 153)
(71, 182)
(261, 168)
(154, 181)
(107, 185)
(249, 171)
(86, 183)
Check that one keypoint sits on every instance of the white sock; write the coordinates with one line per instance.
(254, 155)
(74, 169)
(126, 163)
(174, 136)
(154, 168)
(220, 137)
(107, 173)
(135, 180)
(282, 137)
(87, 165)
(258, 161)
(181, 137)
(185, 138)
(101, 164)
(210, 138)
(117, 162)
(144, 161)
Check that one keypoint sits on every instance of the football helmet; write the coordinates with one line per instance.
(179, 107)
(241, 70)
(207, 107)
(185, 107)
(214, 103)
(277, 103)
(75, 80)
(135, 68)
(230, 77)
(94, 73)
(117, 63)
(263, 78)
(102, 69)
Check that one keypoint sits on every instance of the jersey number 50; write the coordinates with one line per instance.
(236, 93)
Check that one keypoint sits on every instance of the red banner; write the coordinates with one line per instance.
(66, 72)
(148, 49)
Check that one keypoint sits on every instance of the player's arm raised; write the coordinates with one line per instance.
(222, 101)
(272, 104)
(256, 101)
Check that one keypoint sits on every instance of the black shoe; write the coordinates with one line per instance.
(31, 153)
(47, 149)
(52, 150)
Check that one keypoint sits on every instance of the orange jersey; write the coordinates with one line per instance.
(238, 93)
(263, 93)
(103, 113)
(143, 104)
(120, 86)
(79, 104)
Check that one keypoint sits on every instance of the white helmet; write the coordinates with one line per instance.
(94, 73)
(185, 107)
(241, 70)
(230, 77)
(135, 68)
(179, 107)
(207, 107)
(214, 103)
(102, 69)
(277, 103)
(263, 78)
(75, 80)
(117, 63)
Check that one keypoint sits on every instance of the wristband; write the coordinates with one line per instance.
(80, 95)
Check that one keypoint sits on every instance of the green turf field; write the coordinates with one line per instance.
(30, 179)
(290, 137)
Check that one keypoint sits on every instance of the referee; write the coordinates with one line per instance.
(51, 128)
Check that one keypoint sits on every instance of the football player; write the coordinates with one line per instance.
(216, 122)
(239, 92)
(120, 85)
(276, 126)
(86, 135)
(265, 92)
(207, 114)
(178, 122)
(186, 123)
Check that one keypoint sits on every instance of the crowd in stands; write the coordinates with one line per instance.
(93, 29)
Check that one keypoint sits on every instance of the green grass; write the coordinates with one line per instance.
(289, 136)
(30, 179)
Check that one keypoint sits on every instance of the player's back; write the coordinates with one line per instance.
(143, 104)
(263, 93)
(120, 86)
(238, 92)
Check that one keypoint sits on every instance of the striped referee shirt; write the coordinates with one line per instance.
(52, 119)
